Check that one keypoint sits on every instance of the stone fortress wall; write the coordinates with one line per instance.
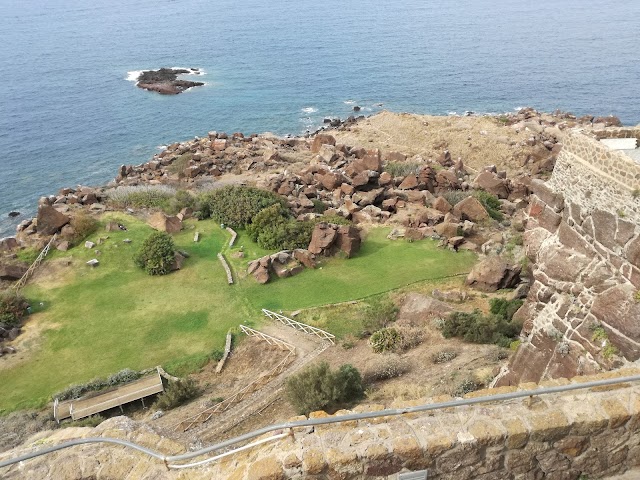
(582, 314)
(591, 432)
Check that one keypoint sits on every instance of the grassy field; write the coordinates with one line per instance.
(96, 321)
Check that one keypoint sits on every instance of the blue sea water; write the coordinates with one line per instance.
(69, 116)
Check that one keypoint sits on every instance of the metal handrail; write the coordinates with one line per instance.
(325, 421)
(300, 326)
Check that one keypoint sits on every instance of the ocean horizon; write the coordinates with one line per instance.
(70, 112)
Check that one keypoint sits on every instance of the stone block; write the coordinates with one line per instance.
(548, 426)
(266, 469)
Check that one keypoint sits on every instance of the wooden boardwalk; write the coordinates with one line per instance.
(85, 407)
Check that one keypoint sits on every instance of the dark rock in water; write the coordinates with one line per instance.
(14, 214)
(356, 108)
(165, 81)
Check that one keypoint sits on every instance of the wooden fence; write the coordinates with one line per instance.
(27, 275)
(300, 326)
(243, 393)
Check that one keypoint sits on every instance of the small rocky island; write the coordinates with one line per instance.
(165, 80)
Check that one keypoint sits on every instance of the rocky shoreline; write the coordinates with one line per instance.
(165, 80)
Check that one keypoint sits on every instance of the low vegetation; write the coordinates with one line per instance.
(402, 169)
(273, 228)
(385, 340)
(177, 393)
(83, 225)
(385, 367)
(490, 203)
(156, 254)
(497, 327)
(318, 387)
(13, 308)
(235, 206)
(143, 196)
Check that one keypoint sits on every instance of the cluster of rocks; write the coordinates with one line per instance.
(326, 240)
(165, 80)
(286, 263)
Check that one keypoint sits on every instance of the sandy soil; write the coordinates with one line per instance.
(479, 141)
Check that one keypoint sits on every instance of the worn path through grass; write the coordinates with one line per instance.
(97, 321)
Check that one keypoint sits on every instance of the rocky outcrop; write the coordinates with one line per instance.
(165, 80)
(328, 239)
(12, 272)
(50, 220)
(492, 274)
(165, 223)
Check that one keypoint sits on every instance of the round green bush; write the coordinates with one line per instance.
(385, 340)
(156, 254)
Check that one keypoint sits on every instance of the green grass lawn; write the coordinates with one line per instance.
(101, 320)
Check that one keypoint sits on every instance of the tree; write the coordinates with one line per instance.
(156, 254)
(318, 387)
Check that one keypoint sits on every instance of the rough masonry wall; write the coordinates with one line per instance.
(583, 240)
(592, 432)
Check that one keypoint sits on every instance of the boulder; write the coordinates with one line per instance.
(409, 182)
(165, 223)
(305, 257)
(470, 209)
(8, 244)
(178, 261)
(322, 139)
(348, 240)
(493, 274)
(447, 229)
(385, 179)
(50, 220)
(490, 182)
(64, 245)
(261, 274)
(332, 180)
(322, 238)
(12, 272)
(442, 205)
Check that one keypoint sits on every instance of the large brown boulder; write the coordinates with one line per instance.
(322, 139)
(470, 209)
(165, 223)
(50, 220)
(348, 240)
(305, 257)
(493, 274)
(490, 182)
(12, 272)
(322, 238)
(332, 180)
(8, 244)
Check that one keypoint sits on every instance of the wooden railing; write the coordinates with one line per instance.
(25, 278)
(300, 326)
(240, 395)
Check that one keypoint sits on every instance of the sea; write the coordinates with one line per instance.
(70, 112)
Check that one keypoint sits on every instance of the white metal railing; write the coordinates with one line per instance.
(23, 280)
(268, 338)
(300, 326)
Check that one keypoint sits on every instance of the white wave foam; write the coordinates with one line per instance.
(192, 71)
(161, 147)
(452, 113)
(349, 102)
(309, 110)
(133, 75)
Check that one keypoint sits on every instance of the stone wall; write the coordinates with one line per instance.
(583, 240)
(592, 432)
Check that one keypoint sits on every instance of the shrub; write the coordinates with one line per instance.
(235, 205)
(490, 203)
(402, 169)
(504, 308)
(273, 228)
(466, 386)
(410, 337)
(443, 356)
(318, 387)
(84, 225)
(156, 254)
(182, 199)
(378, 313)
(386, 367)
(13, 308)
(478, 328)
(455, 196)
(385, 340)
(143, 196)
(180, 163)
(217, 354)
(177, 393)
(318, 206)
